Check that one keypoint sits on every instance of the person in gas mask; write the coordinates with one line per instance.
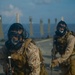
(64, 44)
(25, 58)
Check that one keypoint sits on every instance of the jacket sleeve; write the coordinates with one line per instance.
(3, 57)
(3, 54)
(69, 49)
(54, 50)
(33, 59)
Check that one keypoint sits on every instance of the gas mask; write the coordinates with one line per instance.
(15, 41)
(61, 30)
(15, 37)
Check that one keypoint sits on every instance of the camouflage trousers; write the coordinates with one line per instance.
(68, 69)
(21, 71)
(18, 73)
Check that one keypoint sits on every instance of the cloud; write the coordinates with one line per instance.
(45, 1)
(42, 1)
(31, 5)
(11, 6)
(11, 11)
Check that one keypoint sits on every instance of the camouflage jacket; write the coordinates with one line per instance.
(65, 46)
(25, 54)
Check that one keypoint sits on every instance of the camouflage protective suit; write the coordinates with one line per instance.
(65, 46)
(26, 60)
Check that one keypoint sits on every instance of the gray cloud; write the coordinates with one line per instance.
(41, 1)
(45, 1)
(11, 11)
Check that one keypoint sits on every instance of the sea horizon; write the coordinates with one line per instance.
(36, 29)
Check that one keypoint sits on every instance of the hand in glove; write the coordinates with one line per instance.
(55, 63)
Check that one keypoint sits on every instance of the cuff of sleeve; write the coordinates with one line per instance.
(59, 60)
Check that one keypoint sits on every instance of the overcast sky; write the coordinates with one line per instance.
(43, 9)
